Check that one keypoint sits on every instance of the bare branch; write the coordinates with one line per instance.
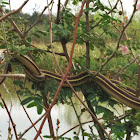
(5, 15)
(13, 124)
(122, 32)
(133, 61)
(38, 17)
(12, 75)
(14, 25)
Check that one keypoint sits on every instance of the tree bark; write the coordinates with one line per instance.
(58, 11)
(63, 43)
(87, 42)
(65, 5)
(49, 118)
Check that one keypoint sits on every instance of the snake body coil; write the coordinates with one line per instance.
(125, 95)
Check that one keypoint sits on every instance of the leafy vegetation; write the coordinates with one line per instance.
(102, 33)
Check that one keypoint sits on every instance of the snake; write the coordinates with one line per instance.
(125, 95)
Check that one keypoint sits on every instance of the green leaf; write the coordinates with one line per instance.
(75, 2)
(16, 82)
(47, 136)
(91, 46)
(119, 130)
(42, 32)
(39, 109)
(101, 109)
(32, 104)
(69, 93)
(1, 105)
(27, 100)
(88, 9)
(20, 92)
(29, 39)
(2, 6)
(37, 35)
(90, 97)
(2, 46)
(5, 3)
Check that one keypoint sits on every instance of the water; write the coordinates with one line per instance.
(64, 113)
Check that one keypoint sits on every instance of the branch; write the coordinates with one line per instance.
(27, 112)
(107, 14)
(118, 44)
(38, 18)
(14, 25)
(13, 124)
(13, 75)
(31, 126)
(78, 118)
(74, 128)
(68, 69)
(65, 5)
(58, 12)
(5, 15)
(64, 78)
(133, 61)
(11, 104)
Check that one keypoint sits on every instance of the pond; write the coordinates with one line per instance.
(64, 113)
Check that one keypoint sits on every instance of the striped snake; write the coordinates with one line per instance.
(125, 95)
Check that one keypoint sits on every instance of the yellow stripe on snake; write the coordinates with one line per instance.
(125, 95)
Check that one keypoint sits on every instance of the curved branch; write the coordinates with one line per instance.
(5, 15)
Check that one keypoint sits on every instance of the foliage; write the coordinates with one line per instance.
(102, 36)
(1, 105)
(63, 31)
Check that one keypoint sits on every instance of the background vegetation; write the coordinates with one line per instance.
(102, 33)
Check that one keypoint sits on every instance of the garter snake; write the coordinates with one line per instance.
(125, 95)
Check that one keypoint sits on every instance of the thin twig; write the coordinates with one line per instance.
(118, 43)
(11, 104)
(26, 113)
(78, 117)
(38, 17)
(74, 128)
(31, 126)
(14, 25)
(133, 61)
(107, 14)
(13, 124)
